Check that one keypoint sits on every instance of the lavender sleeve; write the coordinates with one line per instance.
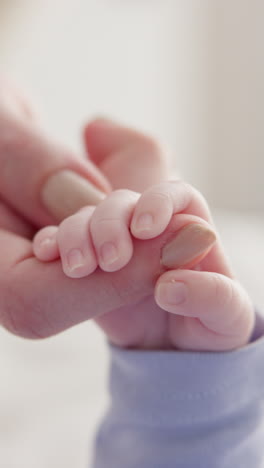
(185, 409)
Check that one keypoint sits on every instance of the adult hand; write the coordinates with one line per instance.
(42, 182)
(37, 300)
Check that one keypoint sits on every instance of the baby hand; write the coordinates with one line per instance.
(208, 309)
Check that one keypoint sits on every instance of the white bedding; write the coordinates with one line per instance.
(53, 392)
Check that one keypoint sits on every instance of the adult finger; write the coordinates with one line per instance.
(39, 178)
(38, 300)
(120, 151)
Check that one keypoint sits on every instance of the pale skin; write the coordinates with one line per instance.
(198, 306)
(38, 299)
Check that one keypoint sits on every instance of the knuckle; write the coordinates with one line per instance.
(200, 198)
(245, 307)
(122, 194)
(194, 191)
(74, 221)
(86, 210)
(104, 222)
(180, 185)
(66, 227)
(194, 194)
(153, 146)
(116, 208)
(223, 290)
(159, 195)
(66, 223)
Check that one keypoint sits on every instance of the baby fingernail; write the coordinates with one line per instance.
(174, 293)
(144, 222)
(108, 253)
(65, 192)
(45, 245)
(47, 242)
(190, 242)
(75, 259)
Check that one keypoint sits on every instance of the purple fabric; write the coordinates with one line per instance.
(172, 409)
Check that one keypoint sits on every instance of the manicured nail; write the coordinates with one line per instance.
(190, 242)
(65, 192)
(173, 292)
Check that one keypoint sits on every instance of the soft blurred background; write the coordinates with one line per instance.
(189, 72)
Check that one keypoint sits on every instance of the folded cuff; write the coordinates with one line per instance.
(176, 388)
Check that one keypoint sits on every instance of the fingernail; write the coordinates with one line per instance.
(75, 259)
(190, 242)
(108, 253)
(48, 242)
(45, 244)
(144, 222)
(65, 192)
(174, 293)
(46, 249)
